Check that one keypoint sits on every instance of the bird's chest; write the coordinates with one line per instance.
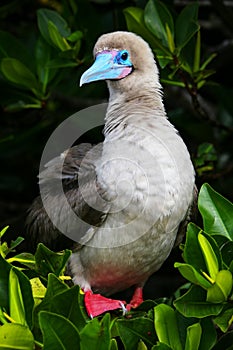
(138, 177)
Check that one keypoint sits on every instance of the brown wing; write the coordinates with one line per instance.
(74, 173)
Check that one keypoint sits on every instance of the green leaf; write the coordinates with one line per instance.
(197, 53)
(189, 272)
(17, 311)
(141, 346)
(194, 304)
(48, 261)
(56, 37)
(27, 298)
(185, 29)
(209, 256)
(43, 18)
(170, 39)
(13, 48)
(135, 23)
(15, 336)
(113, 344)
(43, 54)
(16, 72)
(193, 337)
(132, 330)
(4, 283)
(161, 346)
(26, 259)
(67, 305)
(192, 252)
(216, 211)
(55, 286)
(209, 334)
(58, 332)
(96, 335)
(75, 36)
(8, 291)
(2, 232)
(157, 18)
(225, 319)
(166, 326)
(220, 290)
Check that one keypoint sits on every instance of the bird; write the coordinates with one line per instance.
(135, 190)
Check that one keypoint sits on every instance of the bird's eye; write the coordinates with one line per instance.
(124, 55)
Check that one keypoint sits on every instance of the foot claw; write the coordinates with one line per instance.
(97, 304)
(124, 309)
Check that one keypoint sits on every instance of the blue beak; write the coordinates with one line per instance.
(105, 67)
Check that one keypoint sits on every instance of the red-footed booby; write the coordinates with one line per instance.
(142, 181)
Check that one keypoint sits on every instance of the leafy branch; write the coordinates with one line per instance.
(177, 46)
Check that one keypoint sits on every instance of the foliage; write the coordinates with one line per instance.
(170, 39)
(41, 308)
(55, 47)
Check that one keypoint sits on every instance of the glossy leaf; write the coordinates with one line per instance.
(132, 330)
(16, 336)
(185, 29)
(113, 344)
(216, 211)
(209, 256)
(55, 286)
(192, 275)
(56, 37)
(225, 319)
(4, 283)
(194, 304)
(220, 290)
(96, 335)
(27, 297)
(44, 16)
(142, 346)
(157, 17)
(193, 337)
(67, 304)
(170, 39)
(135, 23)
(208, 335)
(166, 326)
(48, 261)
(197, 53)
(192, 252)
(75, 36)
(16, 72)
(17, 311)
(58, 332)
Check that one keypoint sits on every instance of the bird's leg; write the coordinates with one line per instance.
(97, 304)
(136, 300)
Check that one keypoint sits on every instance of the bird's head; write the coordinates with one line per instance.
(120, 55)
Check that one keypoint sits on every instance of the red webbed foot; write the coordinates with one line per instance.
(97, 304)
(136, 300)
